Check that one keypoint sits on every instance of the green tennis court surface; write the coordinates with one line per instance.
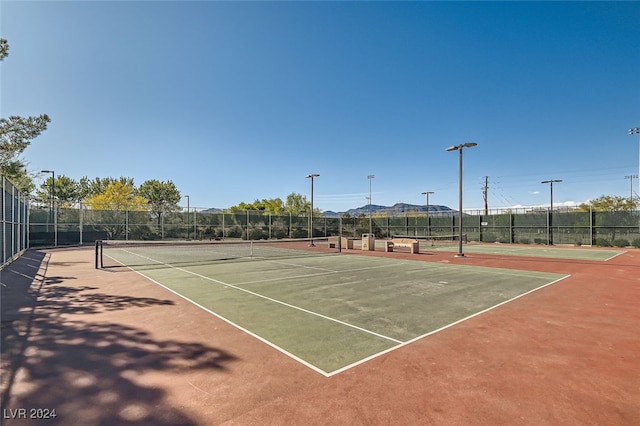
(586, 253)
(334, 311)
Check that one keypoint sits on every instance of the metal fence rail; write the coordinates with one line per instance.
(81, 225)
(14, 229)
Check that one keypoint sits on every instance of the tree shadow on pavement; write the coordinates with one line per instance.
(87, 371)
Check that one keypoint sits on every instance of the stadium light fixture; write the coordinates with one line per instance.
(53, 205)
(631, 178)
(370, 220)
(428, 224)
(636, 131)
(460, 148)
(549, 216)
(311, 176)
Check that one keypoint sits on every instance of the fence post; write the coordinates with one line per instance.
(512, 228)
(592, 223)
(80, 220)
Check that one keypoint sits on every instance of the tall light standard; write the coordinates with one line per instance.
(460, 148)
(550, 215)
(636, 131)
(631, 178)
(187, 197)
(311, 176)
(428, 224)
(53, 206)
(370, 220)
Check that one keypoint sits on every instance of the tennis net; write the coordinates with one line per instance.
(111, 253)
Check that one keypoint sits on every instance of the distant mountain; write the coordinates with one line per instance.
(397, 209)
(212, 210)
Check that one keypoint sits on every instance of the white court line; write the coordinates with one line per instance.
(364, 330)
(415, 339)
(295, 264)
(400, 344)
(238, 326)
(319, 274)
(615, 255)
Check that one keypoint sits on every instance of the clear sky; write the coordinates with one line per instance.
(238, 101)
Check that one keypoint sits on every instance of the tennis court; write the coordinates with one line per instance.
(543, 251)
(330, 311)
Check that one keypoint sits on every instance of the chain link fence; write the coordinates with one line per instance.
(15, 222)
(537, 226)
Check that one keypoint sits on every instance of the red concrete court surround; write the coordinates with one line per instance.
(111, 347)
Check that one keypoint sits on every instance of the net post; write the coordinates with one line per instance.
(98, 254)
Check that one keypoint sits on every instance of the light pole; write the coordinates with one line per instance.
(460, 148)
(370, 220)
(311, 176)
(187, 197)
(631, 178)
(53, 206)
(428, 225)
(636, 131)
(550, 215)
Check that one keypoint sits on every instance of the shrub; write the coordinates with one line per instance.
(636, 243)
(234, 232)
(525, 241)
(279, 233)
(489, 238)
(602, 242)
(620, 242)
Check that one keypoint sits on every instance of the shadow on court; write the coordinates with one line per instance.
(54, 357)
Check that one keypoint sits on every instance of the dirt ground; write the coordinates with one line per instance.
(98, 347)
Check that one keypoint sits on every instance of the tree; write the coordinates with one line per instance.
(297, 204)
(16, 134)
(117, 199)
(89, 188)
(609, 203)
(612, 205)
(4, 48)
(163, 197)
(66, 190)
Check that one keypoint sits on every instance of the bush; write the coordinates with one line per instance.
(255, 234)
(525, 241)
(636, 243)
(602, 242)
(234, 232)
(279, 233)
(620, 242)
(489, 238)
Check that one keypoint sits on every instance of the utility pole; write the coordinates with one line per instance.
(485, 192)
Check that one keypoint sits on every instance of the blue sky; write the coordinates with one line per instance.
(237, 101)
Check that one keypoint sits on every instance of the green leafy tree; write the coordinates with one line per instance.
(65, 189)
(4, 48)
(16, 134)
(610, 203)
(91, 187)
(163, 197)
(116, 199)
(297, 204)
(622, 207)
